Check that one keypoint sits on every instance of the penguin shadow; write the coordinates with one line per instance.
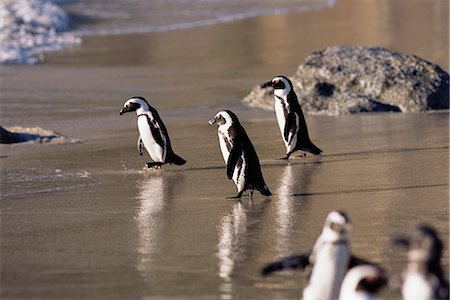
(372, 190)
(381, 151)
(233, 244)
(154, 197)
(288, 207)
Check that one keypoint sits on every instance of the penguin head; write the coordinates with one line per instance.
(337, 226)
(138, 104)
(424, 246)
(368, 279)
(281, 84)
(224, 118)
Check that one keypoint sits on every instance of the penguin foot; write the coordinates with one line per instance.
(154, 165)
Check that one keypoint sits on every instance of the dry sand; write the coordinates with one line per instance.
(82, 220)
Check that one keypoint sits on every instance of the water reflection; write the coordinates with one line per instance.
(154, 197)
(295, 178)
(234, 241)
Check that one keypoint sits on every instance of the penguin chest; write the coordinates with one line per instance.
(281, 112)
(416, 286)
(155, 150)
(226, 145)
(328, 272)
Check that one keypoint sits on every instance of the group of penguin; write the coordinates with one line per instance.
(237, 150)
(335, 272)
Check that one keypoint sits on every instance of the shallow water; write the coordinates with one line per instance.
(106, 228)
(83, 220)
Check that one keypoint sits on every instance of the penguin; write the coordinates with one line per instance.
(239, 154)
(362, 283)
(330, 258)
(291, 121)
(152, 134)
(423, 277)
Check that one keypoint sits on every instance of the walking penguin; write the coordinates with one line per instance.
(239, 154)
(153, 134)
(291, 121)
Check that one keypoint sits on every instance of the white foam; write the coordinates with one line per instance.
(39, 135)
(187, 14)
(29, 27)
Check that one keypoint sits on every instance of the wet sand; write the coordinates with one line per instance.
(83, 220)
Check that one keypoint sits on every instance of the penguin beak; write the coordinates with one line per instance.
(267, 84)
(125, 109)
(212, 122)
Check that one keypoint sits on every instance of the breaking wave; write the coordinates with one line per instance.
(29, 27)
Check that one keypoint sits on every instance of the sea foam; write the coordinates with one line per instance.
(29, 27)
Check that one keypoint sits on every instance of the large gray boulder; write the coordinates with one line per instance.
(344, 80)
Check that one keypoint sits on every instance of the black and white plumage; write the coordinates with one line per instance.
(291, 121)
(239, 154)
(330, 259)
(423, 278)
(153, 134)
(362, 283)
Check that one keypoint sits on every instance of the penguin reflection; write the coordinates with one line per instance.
(232, 240)
(154, 196)
(234, 230)
(295, 178)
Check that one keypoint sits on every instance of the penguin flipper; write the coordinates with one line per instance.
(139, 146)
(291, 262)
(157, 133)
(235, 153)
(290, 126)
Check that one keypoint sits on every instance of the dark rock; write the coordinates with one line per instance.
(324, 89)
(7, 137)
(41, 136)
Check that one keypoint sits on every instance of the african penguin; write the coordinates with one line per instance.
(423, 277)
(239, 154)
(153, 133)
(362, 283)
(330, 258)
(291, 121)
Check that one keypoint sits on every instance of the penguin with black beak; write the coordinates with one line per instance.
(291, 121)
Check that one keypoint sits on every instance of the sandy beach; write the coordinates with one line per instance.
(84, 220)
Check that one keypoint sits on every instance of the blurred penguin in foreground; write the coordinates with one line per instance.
(330, 259)
(423, 278)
